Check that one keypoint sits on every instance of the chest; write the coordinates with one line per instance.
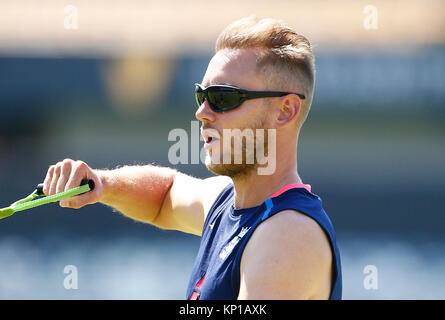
(220, 255)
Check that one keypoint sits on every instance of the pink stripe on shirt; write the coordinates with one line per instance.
(291, 186)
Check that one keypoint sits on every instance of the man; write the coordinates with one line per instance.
(264, 234)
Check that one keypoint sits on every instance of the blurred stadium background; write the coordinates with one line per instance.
(109, 91)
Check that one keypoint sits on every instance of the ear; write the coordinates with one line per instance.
(290, 107)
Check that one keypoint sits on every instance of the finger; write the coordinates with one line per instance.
(55, 178)
(79, 172)
(65, 173)
(47, 181)
(78, 201)
(87, 198)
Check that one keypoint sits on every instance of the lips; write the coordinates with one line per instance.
(210, 137)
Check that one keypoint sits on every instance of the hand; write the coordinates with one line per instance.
(68, 174)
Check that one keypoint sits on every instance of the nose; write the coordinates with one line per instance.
(204, 113)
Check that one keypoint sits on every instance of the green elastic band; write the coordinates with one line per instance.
(20, 206)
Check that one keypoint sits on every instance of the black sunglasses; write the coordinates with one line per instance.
(224, 98)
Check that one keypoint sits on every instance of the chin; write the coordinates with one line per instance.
(230, 170)
(214, 163)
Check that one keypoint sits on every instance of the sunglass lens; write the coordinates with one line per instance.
(222, 98)
(199, 96)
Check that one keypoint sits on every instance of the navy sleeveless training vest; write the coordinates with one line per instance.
(216, 273)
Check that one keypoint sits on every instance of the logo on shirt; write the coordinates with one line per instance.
(229, 247)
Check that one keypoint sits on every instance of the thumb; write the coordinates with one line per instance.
(79, 201)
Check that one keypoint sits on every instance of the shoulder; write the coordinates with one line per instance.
(206, 190)
(213, 187)
(188, 202)
(217, 183)
(287, 257)
(291, 227)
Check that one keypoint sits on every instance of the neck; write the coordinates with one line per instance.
(253, 189)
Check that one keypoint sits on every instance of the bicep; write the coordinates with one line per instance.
(287, 258)
(188, 201)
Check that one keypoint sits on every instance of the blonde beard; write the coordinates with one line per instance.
(215, 163)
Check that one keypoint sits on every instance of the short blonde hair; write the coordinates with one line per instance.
(285, 57)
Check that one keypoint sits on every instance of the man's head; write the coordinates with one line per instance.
(260, 55)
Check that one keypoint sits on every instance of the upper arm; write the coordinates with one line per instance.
(188, 202)
(287, 257)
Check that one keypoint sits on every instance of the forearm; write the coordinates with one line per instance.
(136, 191)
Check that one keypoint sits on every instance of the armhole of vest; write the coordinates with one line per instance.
(236, 272)
(272, 211)
(224, 193)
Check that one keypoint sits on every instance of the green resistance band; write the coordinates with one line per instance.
(31, 201)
